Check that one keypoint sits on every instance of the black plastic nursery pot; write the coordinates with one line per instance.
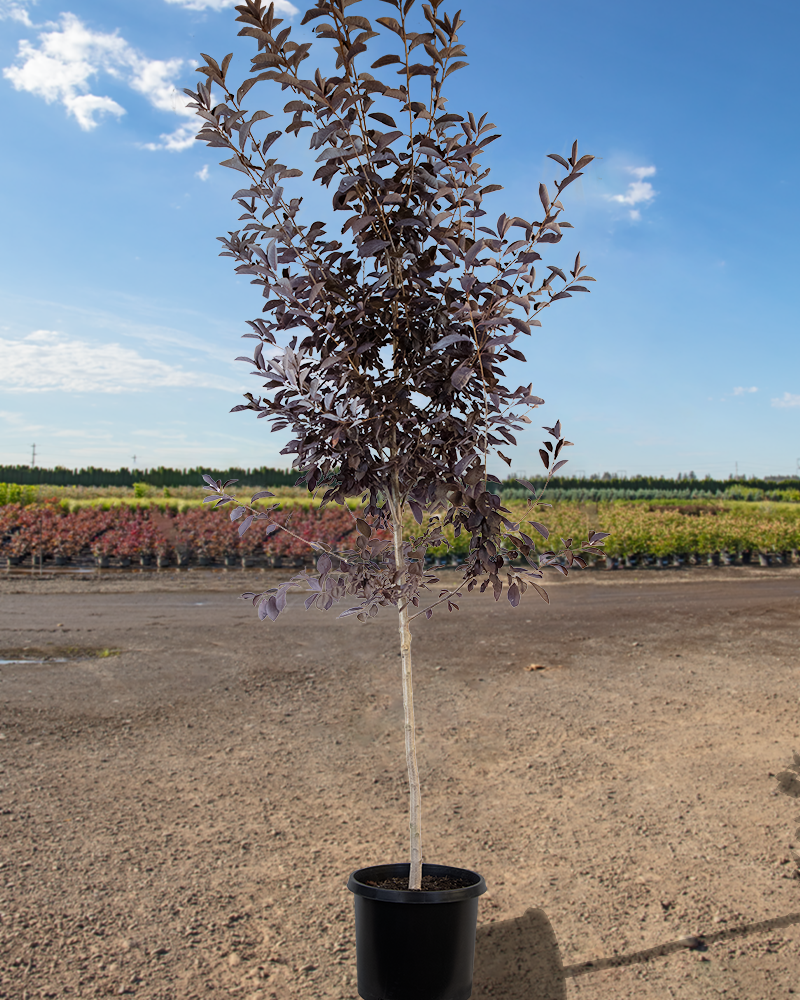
(415, 944)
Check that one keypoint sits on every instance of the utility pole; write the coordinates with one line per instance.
(33, 457)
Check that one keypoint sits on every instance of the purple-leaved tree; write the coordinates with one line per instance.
(381, 351)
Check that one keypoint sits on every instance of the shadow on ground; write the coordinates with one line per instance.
(519, 959)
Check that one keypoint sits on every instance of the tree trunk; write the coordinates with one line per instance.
(414, 817)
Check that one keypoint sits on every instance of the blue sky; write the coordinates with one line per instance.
(119, 323)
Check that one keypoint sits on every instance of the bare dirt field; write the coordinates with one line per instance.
(178, 818)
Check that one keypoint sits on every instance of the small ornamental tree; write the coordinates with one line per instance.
(381, 351)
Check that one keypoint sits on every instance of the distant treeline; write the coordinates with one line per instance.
(650, 487)
(25, 476)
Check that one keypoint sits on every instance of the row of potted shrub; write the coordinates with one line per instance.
(690, 532)
(127, 535)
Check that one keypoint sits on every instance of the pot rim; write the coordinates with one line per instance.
(356, 884)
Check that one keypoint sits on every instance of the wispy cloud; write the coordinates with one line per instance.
(787, 400)
(70, 56)
(639, 191)
(48, 360)
(741, 390)
(203, 172)
(16, 10)
(18, 421)
(128, 319)
(281, 6)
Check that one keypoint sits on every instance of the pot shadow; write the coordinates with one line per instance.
(519, 959)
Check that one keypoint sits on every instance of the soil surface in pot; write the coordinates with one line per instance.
(430, 883)
(178, 821)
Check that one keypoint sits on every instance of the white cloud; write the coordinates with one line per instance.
(203, 174)
(18, 421)
(154, 80)
(639, 191)
(787, 400)
(47, 360)
(70, 56)
(740, 390)
(16, 10)
(281, 6)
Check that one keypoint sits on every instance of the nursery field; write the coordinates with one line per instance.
(167, 531)
(186, 789)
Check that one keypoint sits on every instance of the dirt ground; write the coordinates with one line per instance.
(178, 818)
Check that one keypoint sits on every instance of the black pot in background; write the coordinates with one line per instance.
(415, 944)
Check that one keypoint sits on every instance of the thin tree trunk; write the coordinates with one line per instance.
(415, 817)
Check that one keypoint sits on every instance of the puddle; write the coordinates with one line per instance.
(59, 659)
(53, 654)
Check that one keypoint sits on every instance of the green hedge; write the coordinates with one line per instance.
(161, 476)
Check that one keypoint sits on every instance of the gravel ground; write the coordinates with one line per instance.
(185, 795)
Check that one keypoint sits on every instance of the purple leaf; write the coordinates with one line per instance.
(260, 495)
(451, 338)
(245, 525)
(237, 512)
(473, 252)
(463, 463)
(544, 197)
(519, 324)
(461, 376)
(541, 592)
(371, 247)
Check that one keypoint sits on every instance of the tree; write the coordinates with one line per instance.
(383, 353)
